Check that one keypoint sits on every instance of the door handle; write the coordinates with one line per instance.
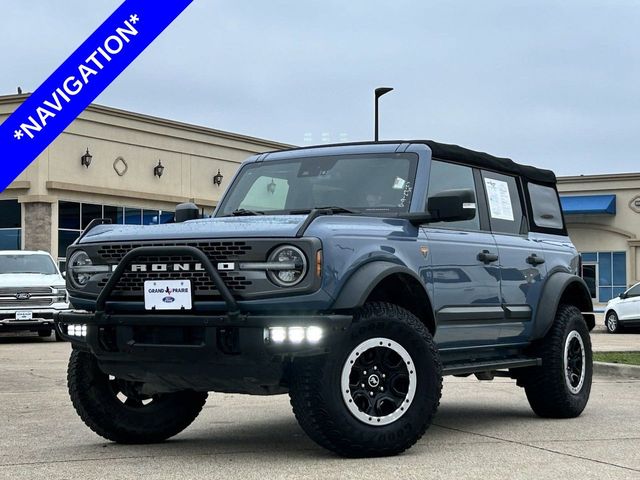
(534, 260)
(487, 257)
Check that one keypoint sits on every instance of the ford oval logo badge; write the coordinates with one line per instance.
(168, 299)
(23, 296)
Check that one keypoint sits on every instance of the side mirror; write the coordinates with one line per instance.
(446, 206)
(623, 295)
(186, 211)
(452, 205)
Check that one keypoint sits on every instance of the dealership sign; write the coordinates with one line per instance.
(79, 80)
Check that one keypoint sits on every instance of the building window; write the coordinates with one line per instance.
(605, 274)
(10, 225)
(74, 217)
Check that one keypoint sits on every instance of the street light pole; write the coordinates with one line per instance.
(378, 93)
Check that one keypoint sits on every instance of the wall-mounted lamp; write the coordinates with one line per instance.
(217, 178)
(158, 170)
(271, 187)
(86, 159)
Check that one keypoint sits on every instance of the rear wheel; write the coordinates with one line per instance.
(560, 387)
(117, 410)
(376, 393)
(612, 323)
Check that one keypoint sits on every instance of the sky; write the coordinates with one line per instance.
(554, 84)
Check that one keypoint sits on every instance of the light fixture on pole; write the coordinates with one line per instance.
(158, 170)
(86, 159)
(380, 91)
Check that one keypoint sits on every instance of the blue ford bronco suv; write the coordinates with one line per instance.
(353, 277)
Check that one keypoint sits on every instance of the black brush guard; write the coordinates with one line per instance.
(144, 360)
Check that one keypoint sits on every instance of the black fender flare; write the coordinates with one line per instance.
(361, 283)
(555, 287)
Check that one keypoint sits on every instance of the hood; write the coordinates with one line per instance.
(614, 300)
(30, 280)
(225, 227)
(262, 226)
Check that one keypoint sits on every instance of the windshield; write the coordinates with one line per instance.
(27, 264)
(375, 184)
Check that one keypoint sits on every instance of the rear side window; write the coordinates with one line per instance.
(545, 206)
(503, 199)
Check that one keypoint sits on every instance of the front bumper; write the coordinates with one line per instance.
(206, 353)
(42, 319)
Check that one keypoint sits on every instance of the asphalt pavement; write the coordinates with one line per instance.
(483, 430)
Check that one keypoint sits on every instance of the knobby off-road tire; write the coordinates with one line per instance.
(560, 388)
(612, 322)
(114, 411)
(329, 394)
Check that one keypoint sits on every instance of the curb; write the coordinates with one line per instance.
(616, 370)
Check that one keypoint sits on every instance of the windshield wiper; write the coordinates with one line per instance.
(243, 212)
(323, 211)
(317, 212)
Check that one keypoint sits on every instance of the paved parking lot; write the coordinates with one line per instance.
(483, 430)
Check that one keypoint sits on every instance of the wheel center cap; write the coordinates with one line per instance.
(374, 380)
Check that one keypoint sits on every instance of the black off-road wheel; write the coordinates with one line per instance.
(560, 388)
(374, 394)
(612, 323)
(115, 410)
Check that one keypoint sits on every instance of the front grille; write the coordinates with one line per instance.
(216, 251)
(32, 302)
(131, 284)
(32, 290)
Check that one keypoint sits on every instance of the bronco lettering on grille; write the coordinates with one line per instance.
(177, 267)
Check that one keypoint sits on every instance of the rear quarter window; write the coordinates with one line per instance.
(545, 207)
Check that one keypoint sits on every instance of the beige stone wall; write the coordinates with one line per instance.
(190, 154)
(37, 226)
(619, 232)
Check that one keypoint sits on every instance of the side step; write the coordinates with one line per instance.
(487, 366)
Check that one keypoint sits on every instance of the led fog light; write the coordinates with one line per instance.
(296, 335)
(77, 330)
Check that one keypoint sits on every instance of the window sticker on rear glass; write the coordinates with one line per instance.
(499, 199)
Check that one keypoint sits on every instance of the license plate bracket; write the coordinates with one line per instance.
(23, 316)
(167, 295)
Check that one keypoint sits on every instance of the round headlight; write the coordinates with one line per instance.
(77, 263)
(293, 266)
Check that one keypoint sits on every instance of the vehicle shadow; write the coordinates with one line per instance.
(282, 438)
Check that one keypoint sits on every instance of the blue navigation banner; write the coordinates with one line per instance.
(79, 80)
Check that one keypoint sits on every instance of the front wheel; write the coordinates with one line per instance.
(376, 393)
(612, 323)
(560, 387)
(117, 410)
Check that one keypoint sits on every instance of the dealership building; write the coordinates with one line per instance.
(131, 168)
(134, 169)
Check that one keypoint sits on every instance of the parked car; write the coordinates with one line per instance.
(31, 291)
(623, 310)
(352, 277)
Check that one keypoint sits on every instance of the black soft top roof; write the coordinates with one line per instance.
(456, 153)
(444, 151)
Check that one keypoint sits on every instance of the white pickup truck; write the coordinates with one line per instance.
(31, 291)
